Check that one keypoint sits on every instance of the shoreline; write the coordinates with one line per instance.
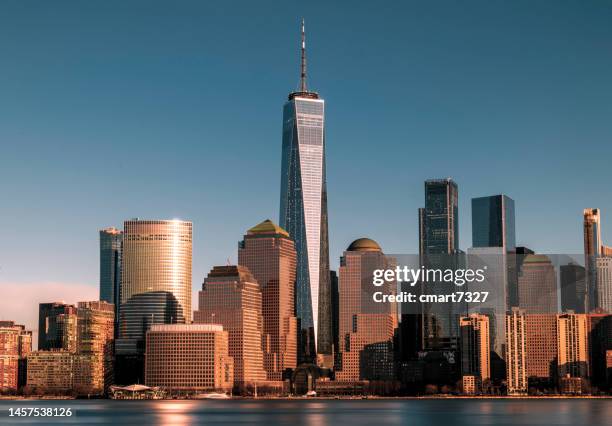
(322, 398)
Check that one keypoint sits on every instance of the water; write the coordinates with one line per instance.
(323, 412)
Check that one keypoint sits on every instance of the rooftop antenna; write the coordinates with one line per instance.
(303, 74)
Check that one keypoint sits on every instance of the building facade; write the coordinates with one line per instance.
(188, 357)
(366, 328)
(592, 250)
(111, 242)
(157, 257)
(475, 347)
(603, 266)
(15, 345)
(303, 213)
(516, 350)
(537, 285)
(572, 346)
(573, 288)
(57, 326)
(269, 253)
(231, 297)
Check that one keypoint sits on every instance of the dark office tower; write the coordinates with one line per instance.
(111, 241)
(57, 326)
(439, 220)
(439, 245)
(335, 306)
(303, 213)
(493, 222)
(592, 250)
(573, 288)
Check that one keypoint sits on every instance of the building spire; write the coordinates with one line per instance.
(303, 74)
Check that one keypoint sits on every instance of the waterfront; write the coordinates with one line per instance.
(322, 412)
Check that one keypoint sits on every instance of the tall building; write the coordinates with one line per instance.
(573, 289)
(516, 370)
(366, 328)
(592, 250)
(541, 343)
(493, 222)
(572, 346)
(57, 326)
(269, 253)
(51, 371)
(188, 357)
(493, 225)
(303, 212)
(111, 241)
(96, 331)
(603, 267)
(537, 285)
(439, 219)
(157, 257)
(15, 345)
(475, 346)
(600, 341)
(231, 297)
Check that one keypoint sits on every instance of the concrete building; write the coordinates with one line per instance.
(231, 297)
(572, 346)
(541, 342)
(475, 346)
(603, 267)
(365, 327)
(15, 345)
(51, 371)
(188, 357)
(516, 370)
(269, 253)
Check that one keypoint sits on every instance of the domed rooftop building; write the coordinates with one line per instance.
(364, 244)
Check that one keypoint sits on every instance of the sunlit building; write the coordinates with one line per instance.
(572, 346)
(516, 370)
(592, 250)
(188, 357)
(111, 242)
(157, 257)
(303, 213)
(475, 346)
(231, 297)
(15, 345)
(269, 253)
(366, 328)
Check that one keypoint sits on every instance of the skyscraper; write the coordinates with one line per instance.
(439, 248)
(603, 267)
(111, 240)
(231, 297)
(475, 347)
(366, 328)
(15, 345)
(592, 250)
(269, 253)
(572, 346)
(573, 290)
(516, 369)
(303, 212)
(157, 257)
(493, 222)
(439, 219)
(537, 285)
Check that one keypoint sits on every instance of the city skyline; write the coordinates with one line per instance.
(73, 262)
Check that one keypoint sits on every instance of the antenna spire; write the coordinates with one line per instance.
(303, 74)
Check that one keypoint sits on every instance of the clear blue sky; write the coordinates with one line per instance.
(114, 109)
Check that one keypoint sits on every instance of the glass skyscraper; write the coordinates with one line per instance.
(303, 213)
(111, 242)
(439, 220)
(493, 222)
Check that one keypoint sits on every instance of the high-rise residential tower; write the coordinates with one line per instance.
(516, 351)
(57, 326)
(157, 257)
(592, 250)
(269, 253)
(111, 241)
(475, 347)
(303, 212)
